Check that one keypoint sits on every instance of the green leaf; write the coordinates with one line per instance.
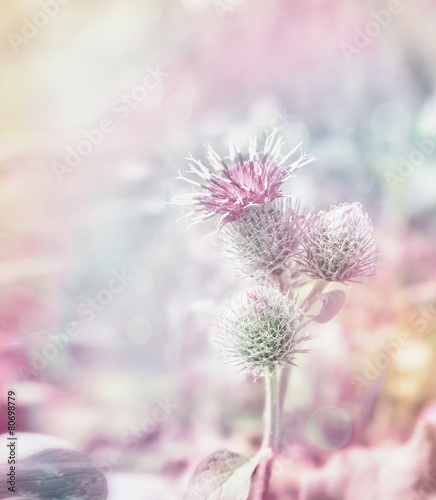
(224, 475)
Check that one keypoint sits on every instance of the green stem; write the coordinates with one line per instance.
(272, 412)
(284, 379)
(271, 436)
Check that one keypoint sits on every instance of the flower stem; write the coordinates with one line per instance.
(272, 413)
(271, 434)
(283, 385)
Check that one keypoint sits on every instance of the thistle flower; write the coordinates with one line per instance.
(227, 189)
(260, 329)
(338, 244)
(264, 239)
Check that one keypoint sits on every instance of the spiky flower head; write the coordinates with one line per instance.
(338, 244)
(264, 239)
(228, 188)
(260, 328)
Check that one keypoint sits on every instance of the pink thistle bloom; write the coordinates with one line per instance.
(338, 244)
(228, 189)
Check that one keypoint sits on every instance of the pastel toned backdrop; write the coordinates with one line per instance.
(90, 253)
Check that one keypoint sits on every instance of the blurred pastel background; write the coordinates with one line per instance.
(106, 302)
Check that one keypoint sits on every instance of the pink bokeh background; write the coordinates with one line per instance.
(143, 340)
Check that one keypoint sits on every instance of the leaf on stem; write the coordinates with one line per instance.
(331, 303)
(224, 475)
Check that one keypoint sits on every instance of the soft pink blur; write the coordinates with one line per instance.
(101, 231)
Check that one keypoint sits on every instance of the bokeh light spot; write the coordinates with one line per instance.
(139, 330)
(329, 427)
